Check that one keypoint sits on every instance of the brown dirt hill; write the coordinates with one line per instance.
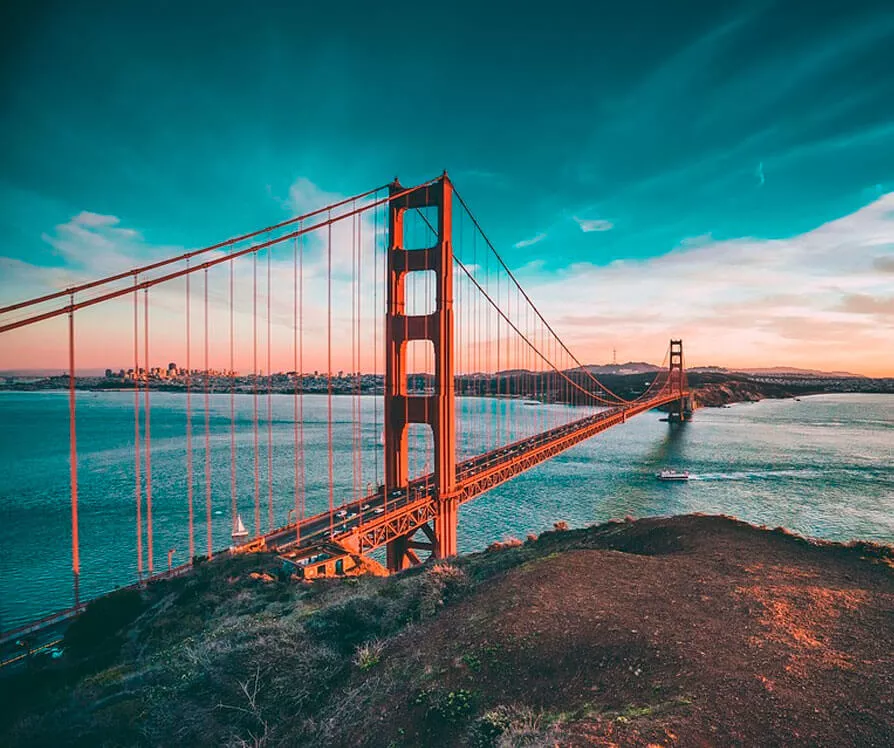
(683, 631)
(689, 630)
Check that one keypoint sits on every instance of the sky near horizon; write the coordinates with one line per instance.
(720, 172)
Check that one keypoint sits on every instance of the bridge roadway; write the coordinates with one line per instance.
(374, 520)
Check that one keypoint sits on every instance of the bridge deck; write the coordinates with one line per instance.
(376, 519)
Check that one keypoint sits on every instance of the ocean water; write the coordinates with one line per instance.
(822, 466)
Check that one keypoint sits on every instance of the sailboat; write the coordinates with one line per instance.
(239, 530)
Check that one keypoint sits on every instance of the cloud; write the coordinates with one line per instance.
(885, 264)
(86, 218)
(93, 246)
(529, 242)
(815, 299)
(864, 304)
(593, 224)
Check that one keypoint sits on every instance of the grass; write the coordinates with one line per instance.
(233, 655)
(223, 656)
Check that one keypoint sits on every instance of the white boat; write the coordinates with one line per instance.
(239, 530)
(672, 475)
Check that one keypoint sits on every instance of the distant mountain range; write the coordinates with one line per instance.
(771, 370)
(631, 367)
(61, 371)
(641, 367)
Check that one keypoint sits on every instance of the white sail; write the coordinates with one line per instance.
(239, 530)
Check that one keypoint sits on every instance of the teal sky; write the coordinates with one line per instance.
(580, 133)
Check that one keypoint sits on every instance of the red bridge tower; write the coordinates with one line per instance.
(437, 409)
(681, 409)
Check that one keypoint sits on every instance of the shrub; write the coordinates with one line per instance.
(96, 630)
(349, 623)
(503, 544)
(451, 707)
(367, 655)
(471, 661)
(438, 585)
(452, 579)
(560, 525)
(508, 726)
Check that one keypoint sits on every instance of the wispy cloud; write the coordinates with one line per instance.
(593, 224)
(86, 218)
(865, 304)
(94, 245)
(528, 242)
(814, 299)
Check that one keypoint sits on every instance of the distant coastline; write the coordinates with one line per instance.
(710, 389)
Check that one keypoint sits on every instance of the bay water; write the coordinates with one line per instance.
(822, 466)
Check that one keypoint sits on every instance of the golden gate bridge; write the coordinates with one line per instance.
(398, 286)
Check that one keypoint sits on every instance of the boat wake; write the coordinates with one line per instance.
(744, 475)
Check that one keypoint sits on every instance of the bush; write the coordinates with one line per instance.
(503, 544)
(95, 631)
(368, 655)
(508, 726)
(449, 707)
(350, 623)
(439, 584)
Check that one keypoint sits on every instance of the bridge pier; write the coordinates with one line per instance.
(438, 409)
(396, 554)
(445, 526)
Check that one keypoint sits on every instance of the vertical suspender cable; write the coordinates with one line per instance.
(329, 373)
(303, 495)
(73, 458)
(189, 471)
(207, 428)
(148, 430)
(426, 295)
(354, 401)
(136, 429)
(234, 509)
(412, 451)
(269, 401)
(254, 396)
(359, 349)
(375, 244)
(297, 379)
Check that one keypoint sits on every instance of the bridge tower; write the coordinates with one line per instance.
(680, 409)
(436, 409)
